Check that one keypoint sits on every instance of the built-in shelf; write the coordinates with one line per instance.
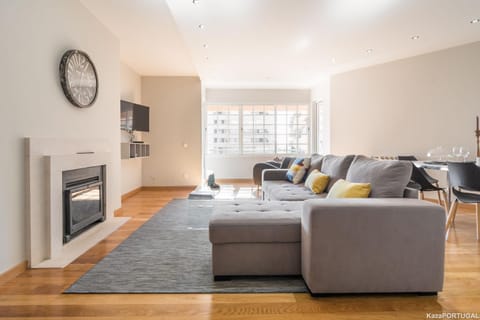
(135, 150)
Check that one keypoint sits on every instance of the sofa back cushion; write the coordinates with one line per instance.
(336, 167)
(315, 163)
(388, 178)
(286, 162)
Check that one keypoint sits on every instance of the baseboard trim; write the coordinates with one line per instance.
(131, 193)
(233, 181)
(173, 188)
(13, 272)
(117, 212)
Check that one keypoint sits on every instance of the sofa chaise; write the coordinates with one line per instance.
(387, 243)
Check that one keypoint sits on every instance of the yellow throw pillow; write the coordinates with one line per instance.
(345, 189)
(317, 181)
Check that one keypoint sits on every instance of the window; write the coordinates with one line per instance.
(223, 130)
(321, 140)
(258, 129)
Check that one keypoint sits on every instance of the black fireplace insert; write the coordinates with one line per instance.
(83, 200)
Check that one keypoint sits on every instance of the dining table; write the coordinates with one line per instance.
(433, 165)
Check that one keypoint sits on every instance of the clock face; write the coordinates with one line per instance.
(78, 78)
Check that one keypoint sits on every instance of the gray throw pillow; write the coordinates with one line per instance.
(336, 167)
(316, 163)
(387, 177)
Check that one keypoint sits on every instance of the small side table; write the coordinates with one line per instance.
(203, 192)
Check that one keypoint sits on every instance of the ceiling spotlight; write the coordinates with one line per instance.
(195, 1)
(475, 21)
(369, 50)
(201, 26)
(415, 37)
(205, 46)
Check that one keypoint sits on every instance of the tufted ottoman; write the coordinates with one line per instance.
(256, 238)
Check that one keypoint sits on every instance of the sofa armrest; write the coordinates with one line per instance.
(276, 164)
(258, 168)
(410, 193)
(274, 174)
(372, 245)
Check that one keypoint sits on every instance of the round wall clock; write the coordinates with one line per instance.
(78, 78)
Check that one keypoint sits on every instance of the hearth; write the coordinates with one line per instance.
(83, 200)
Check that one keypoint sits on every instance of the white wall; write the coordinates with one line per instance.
(257, 96)
(408, 106)
(234, 167)
(35, 34)
(241, 167)
(130, 90)
(175, 120)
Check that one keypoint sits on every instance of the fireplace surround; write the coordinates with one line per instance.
(46, 161)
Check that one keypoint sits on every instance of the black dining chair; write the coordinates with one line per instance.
(422, 181)
(431, 179)
(464, 180)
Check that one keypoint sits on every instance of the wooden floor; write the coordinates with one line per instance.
(38, 293)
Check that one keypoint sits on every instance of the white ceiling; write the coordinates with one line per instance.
(280, 43)
(149, 39)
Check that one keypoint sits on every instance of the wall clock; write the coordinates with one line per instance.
(78, 78)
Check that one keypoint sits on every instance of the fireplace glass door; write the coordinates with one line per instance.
(84, 205)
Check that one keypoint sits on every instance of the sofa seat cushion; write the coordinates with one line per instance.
(388, 178)
(256, 222)
(286, 191)
(269, 185)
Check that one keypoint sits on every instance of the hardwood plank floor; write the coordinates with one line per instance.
(38, 293)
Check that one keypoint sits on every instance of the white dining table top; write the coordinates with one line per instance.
(434, 165)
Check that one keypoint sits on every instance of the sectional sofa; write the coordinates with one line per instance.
(390, 242)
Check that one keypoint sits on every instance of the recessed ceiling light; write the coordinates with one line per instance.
(201, 26)
(415, 37)
(369, 50)
(475, 21)
(205, 45)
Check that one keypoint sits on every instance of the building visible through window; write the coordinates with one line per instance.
(258, 129)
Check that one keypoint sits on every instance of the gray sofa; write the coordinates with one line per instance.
(387, 178)
(337, 245)
(372, 245)
(388, 243)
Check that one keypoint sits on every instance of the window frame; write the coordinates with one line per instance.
(241, 136)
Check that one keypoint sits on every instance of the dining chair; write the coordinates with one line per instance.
(424, 173)
(464, 181)
(422, 184)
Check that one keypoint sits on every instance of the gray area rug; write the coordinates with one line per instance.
(171, 253)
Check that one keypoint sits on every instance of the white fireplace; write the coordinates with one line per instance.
(46, 160)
